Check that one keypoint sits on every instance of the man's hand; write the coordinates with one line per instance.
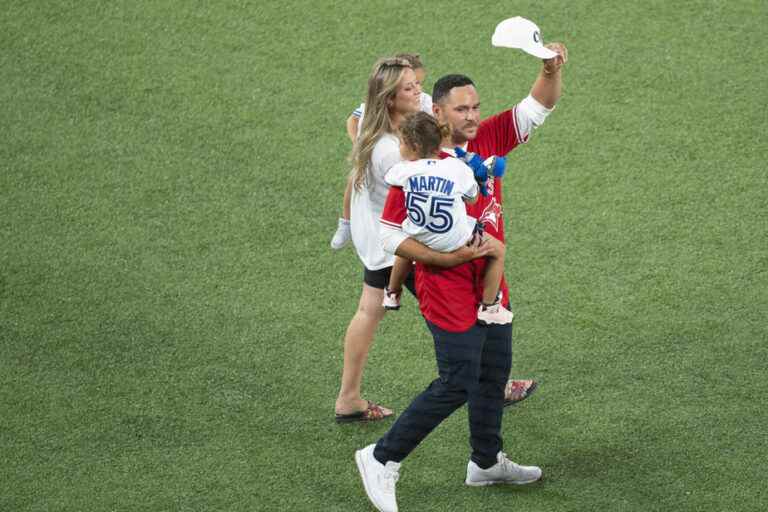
(477, 248)
(554, 64)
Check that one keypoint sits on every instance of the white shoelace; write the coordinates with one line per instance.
(507, 464)
(389, 478)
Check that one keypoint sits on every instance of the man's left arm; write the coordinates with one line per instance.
(547, 88)
(548, 85)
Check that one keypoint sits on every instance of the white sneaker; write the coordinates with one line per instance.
(342, 236)
(379, 479)
(503, 472)
(494, 314)
(391, 299)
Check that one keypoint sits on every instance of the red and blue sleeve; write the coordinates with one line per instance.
(394, 212)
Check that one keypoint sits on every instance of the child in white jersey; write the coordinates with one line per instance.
(435, 191)
(355, 120)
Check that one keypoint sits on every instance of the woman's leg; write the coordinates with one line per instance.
(357, 343)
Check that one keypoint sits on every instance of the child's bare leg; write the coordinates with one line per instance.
(343, 232)
(347, 200)
(397, 277)
(400, 271)
(494, 270)
(491, 311)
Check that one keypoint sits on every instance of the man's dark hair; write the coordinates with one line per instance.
(443, 86)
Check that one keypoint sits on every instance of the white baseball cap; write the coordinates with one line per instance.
(521, 33)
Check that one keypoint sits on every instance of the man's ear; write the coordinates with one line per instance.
(436, 111)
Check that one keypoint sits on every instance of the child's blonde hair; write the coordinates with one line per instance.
(414, 59)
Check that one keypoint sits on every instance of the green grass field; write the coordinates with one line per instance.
(171, 315)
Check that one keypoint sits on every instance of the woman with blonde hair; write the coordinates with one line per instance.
(393, 93)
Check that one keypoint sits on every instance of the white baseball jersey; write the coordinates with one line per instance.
(434, 198)
(425, 102)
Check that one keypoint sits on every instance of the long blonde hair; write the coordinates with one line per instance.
(382, 88)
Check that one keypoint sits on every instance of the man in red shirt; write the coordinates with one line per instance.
(473, 361)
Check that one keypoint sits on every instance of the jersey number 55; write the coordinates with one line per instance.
(430, 212)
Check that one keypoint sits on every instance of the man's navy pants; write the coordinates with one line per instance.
(473, 368)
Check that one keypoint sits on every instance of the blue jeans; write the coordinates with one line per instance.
(473, 368)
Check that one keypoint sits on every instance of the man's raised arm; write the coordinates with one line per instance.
(548, 85)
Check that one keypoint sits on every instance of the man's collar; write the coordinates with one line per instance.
(450, 150)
